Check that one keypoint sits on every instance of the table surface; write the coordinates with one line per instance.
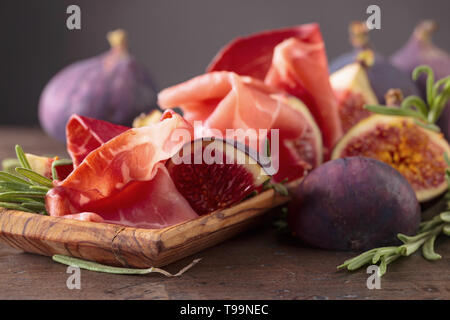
(258, 264)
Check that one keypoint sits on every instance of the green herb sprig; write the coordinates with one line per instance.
(97, 267)
(24, 189)
(425, 113)
(428, 232)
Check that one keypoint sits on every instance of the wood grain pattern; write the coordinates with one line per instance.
(132, 247)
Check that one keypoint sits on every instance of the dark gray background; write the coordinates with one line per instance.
(175, 40)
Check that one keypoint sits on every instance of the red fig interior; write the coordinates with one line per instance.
(213, 174)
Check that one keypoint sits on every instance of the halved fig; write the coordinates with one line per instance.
(147, 119)
(213, 174)
(417, 153)
(352, 88)
(43, 166)
(306, 149)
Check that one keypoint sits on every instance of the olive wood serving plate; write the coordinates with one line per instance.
(132, 247)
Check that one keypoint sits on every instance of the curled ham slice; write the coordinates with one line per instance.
(84, 135)
(301, 69)
(225, 100)
(293, 60)
(124, 181)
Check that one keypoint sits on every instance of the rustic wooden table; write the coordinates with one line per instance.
(259, 264)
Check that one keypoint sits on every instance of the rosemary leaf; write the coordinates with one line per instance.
(34, 206)
(8, 177)
(381, 252)
(40, 188)
(35, 177)
(12, 196)
(15, 206)
(429, 126)
(14, 186)
(417, 102)
(446, 229)
(358, 263)
(445, 216)
(22, 157)
(394, 111)
(428, 249)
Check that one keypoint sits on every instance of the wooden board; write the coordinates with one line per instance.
(133, 247)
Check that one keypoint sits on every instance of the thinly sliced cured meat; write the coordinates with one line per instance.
(252, 55)
(293, 60)
(124, 181)
(85, 134)
(225, 100)
(301, 69)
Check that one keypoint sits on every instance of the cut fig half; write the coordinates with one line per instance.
(417, 153)
(304, 152)
(352, 88)
(213, 174)
(147, 119)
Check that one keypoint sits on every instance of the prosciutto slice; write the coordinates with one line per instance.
(124, 181)
(293, 60)
(225, 100)
(83, 135)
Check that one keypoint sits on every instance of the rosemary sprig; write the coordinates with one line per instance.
(24, 190)
(428, 232)
(424, 239)
(97, 267)
(425, 113)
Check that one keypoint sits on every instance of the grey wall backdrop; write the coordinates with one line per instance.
(175, 40)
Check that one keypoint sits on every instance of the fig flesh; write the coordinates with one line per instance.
(147, 119)
(212, 174)
(417, 153)
(353, 204)
(352, 88)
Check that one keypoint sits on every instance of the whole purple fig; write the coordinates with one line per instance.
(353, 203)
(420, 50)
(111, 86)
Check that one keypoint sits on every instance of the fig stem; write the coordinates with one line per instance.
(366, 58)
(393, 97)
(425, 30)
(118, 39)
(359, 35)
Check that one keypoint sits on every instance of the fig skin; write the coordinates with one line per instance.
(355, 204)
(112, 86)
